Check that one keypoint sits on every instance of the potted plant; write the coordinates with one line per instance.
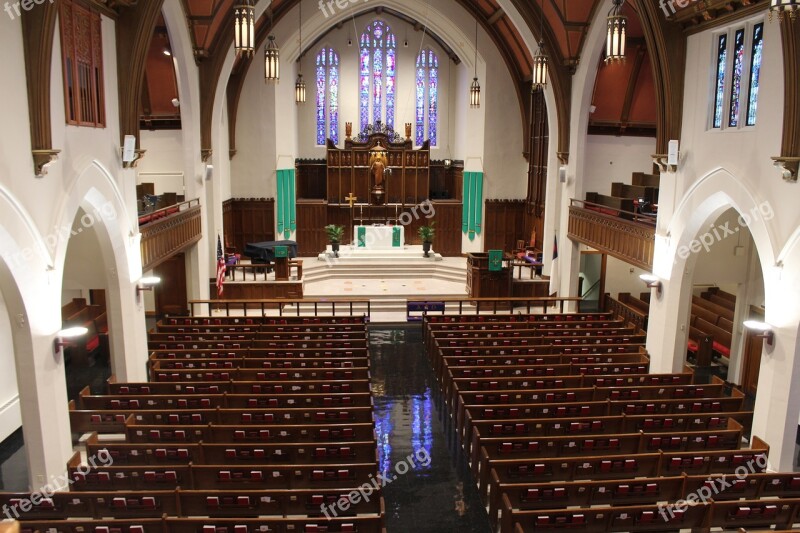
(335, 234)
(427, 233)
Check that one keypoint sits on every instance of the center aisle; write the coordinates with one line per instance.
(436, 493)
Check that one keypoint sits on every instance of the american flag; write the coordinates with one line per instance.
(220, 268)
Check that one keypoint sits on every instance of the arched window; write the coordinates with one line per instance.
(327, 96)
(427, 96)
(377, 75)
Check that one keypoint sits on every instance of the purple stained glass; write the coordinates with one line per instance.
(378, 75)
(722, 56)
(327, 78)
(433, 97)
(377, 84)
(333, 91)
(755, 71)
(420, 99)
(321, 97)
(364, 94)
(736, 80)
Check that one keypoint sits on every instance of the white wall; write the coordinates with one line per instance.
(10, 415)
(610, 159)
(163, 164)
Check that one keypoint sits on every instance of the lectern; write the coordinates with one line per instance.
(282, 263)
(482, 282)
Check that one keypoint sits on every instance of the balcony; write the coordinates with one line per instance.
(168, 231)
(621, 234)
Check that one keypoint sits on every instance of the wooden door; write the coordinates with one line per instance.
(752, 362)
(170, 294)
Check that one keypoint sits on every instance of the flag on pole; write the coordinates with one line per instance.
(220, 267)
(554, 274)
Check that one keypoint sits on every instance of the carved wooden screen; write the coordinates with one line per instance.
(82, 56)
(348, 169)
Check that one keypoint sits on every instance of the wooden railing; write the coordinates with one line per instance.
(170, 233)
(453, 305)
(627, 240)
(284, 307)
(258, 272)
(635, 317)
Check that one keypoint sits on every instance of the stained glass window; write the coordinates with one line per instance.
(427, 96)
(378, 75)
(722, 56)
(327, 77)
(755, 71)
(736, 79)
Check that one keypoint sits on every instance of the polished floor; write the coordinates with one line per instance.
(436, 492)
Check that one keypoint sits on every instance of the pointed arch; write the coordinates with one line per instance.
(377, 75)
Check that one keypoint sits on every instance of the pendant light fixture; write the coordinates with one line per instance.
(475, 88)
(244, 33)
(272, 56)
(783, 7)
(540, 59)
(615, 33)
(300, 84)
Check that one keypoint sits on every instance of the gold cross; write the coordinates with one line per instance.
(352, 199)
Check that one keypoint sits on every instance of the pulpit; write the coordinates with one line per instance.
(282, 263)
(483, 281)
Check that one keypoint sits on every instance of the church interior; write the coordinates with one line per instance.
(378, 266)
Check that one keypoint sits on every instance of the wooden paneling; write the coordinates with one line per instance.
(248, 220)
(311, 179)
(170, 294)
(448, 228)
(626, 240)
(312, 217)
(504, 224)
(169, 235)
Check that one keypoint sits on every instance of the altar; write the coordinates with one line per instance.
(379, 237)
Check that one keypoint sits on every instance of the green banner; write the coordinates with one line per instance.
(362, 236)
(472, 214)
(495, 260)
(287, 217)
(281, 251)
(396, 237)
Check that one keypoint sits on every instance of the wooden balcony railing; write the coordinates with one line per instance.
(627, 240)
(171, 233)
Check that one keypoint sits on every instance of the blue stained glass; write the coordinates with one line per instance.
(378, 54)
(364, 100)
(327, 79)
(433, 96)
(736, 81)
(420, 100)
(722, 56)
(755, 71)
(321, 97)
(390, 80)
(333, 90)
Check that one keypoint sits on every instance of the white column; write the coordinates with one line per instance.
(43, 403)
(127, 329)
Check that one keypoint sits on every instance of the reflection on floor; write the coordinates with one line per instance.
(436, 494)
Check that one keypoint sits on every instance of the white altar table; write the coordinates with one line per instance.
(379, 237)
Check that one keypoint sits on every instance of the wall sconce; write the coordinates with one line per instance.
(764, 329)
(67, 333)
(146, 284)
(652, 282)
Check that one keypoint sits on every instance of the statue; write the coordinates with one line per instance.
(408, 130)
(348, 129)
(377, 171)
(377, 168)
